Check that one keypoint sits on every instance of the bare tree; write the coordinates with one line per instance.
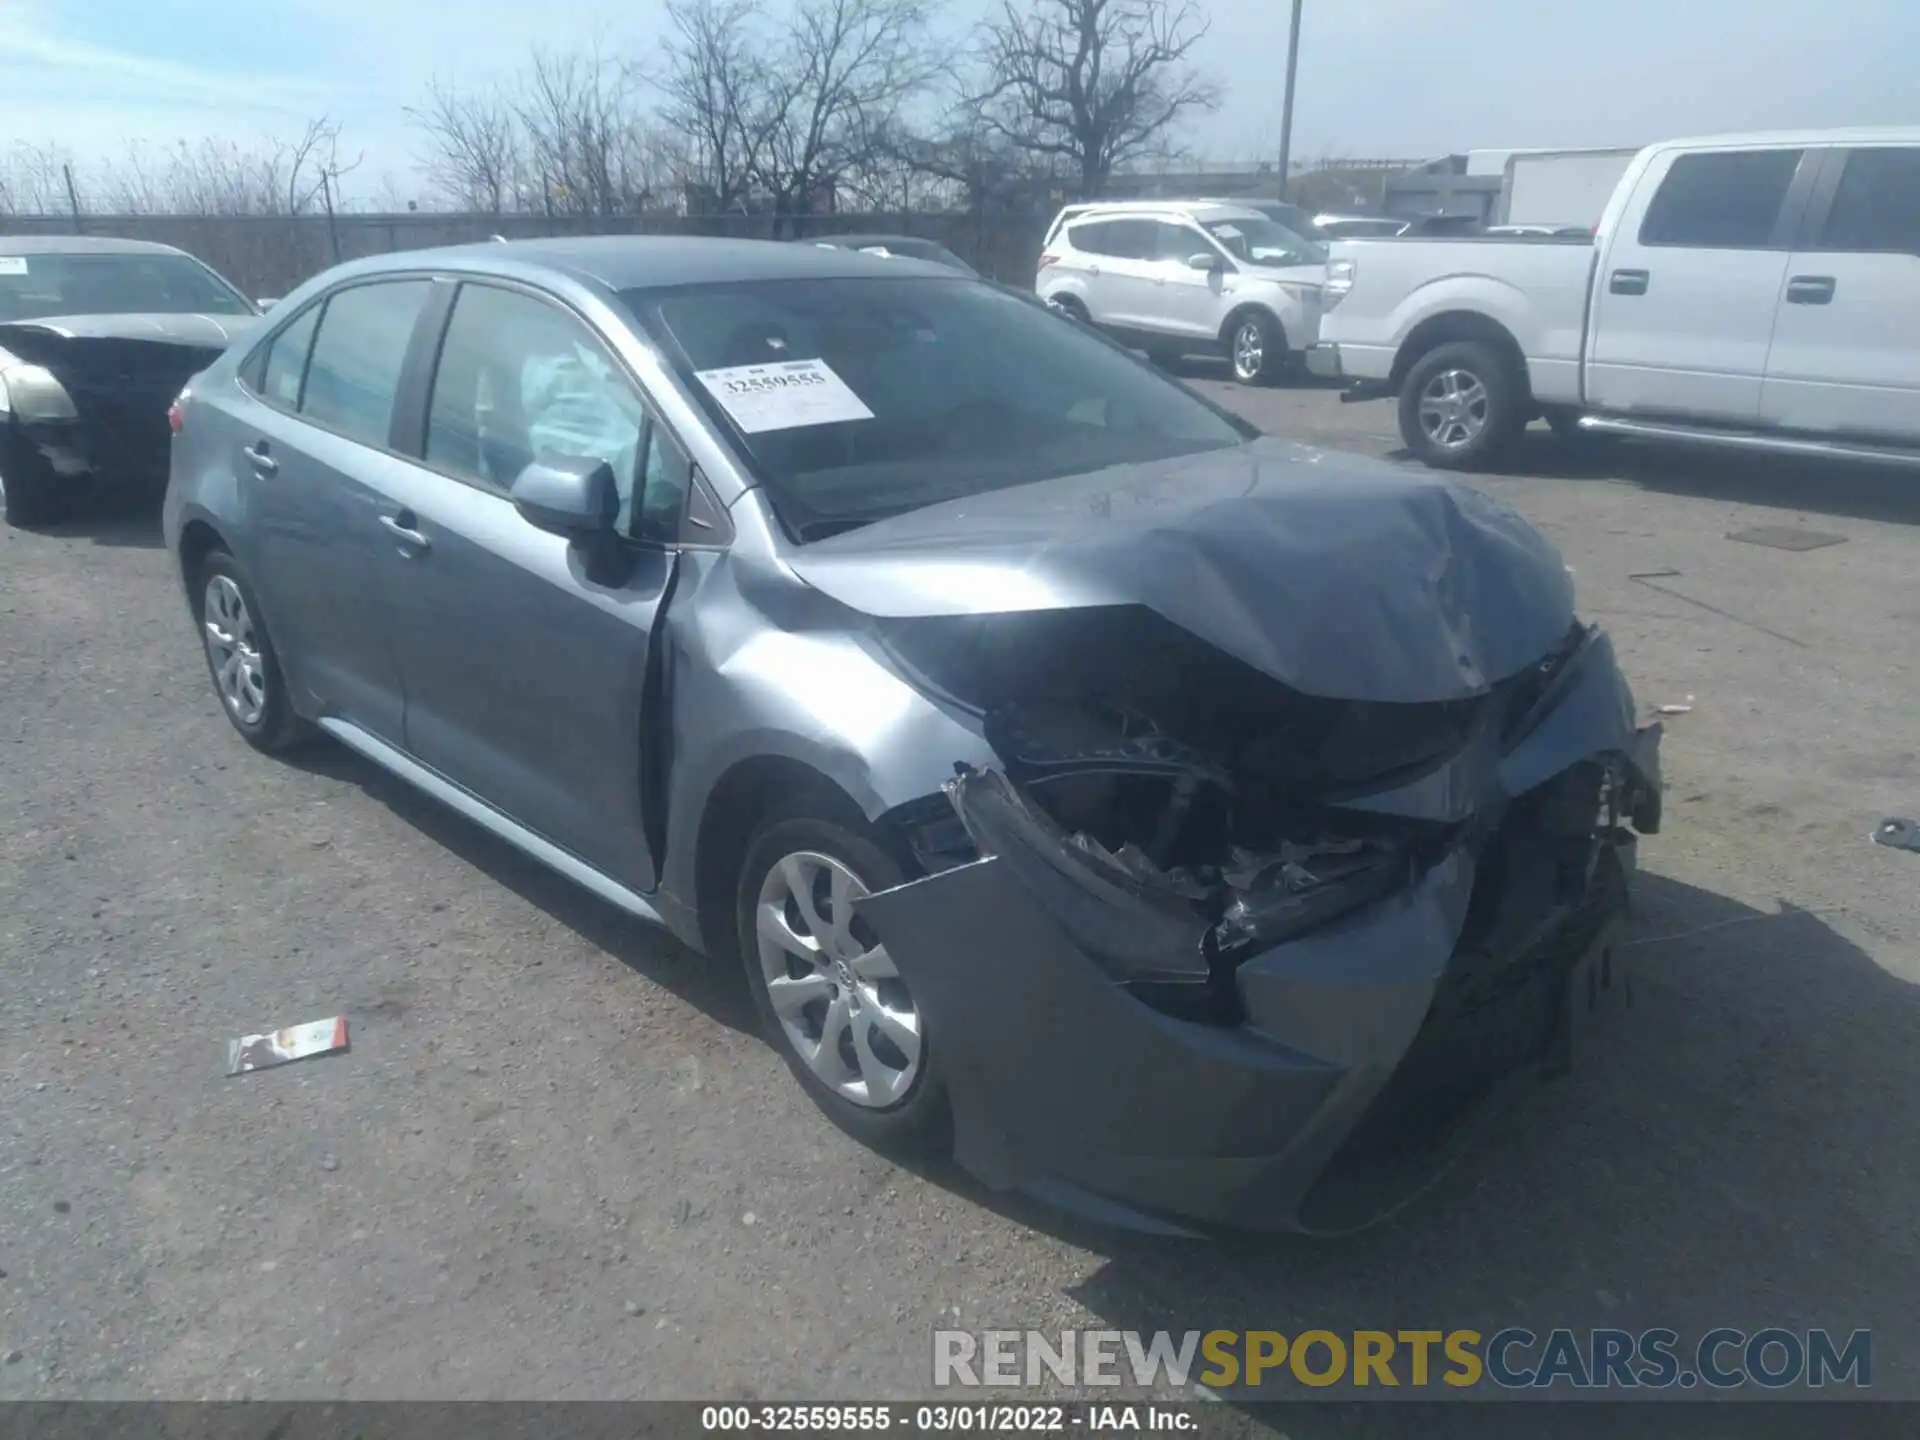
(1098, 83)
(581, 131)
(835, 90)
(34, 182)
(478, 156)
(967, 162)
(785, 116)
(717, 92)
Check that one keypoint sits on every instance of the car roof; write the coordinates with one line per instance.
(629, 262)
(1184, 209)
(1857, 135)
(81, 245)
(858, 240)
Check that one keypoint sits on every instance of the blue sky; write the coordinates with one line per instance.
(1377, 77)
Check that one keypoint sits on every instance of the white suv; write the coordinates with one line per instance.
(1179, 277)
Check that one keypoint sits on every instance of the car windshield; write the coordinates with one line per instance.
(1266, 242)
(33, 286)
(857, 398)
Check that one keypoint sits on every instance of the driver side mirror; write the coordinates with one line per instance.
(577, 498)
(1205, 261)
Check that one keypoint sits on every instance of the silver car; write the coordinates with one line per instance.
(1168, 820)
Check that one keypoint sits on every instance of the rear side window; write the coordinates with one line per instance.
(1122, 239)
(1094, 238)
(285, 365)
(1728, 200)
(1877, 207)
(354, 372)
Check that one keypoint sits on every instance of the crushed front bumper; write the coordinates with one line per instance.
(1361, 1050)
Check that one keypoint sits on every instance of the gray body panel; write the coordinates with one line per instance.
(593, 720)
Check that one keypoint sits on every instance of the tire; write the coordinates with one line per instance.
(1256, 347)
(33, 495)
(255, 699)
(804, 845)
(1070, 307)
(1461, 405)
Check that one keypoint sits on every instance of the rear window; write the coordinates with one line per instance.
(852, 399)
(35, 286)
(1726, 200)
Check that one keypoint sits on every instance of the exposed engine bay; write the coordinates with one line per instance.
(1192, 804)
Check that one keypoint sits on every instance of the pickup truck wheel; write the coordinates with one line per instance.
(830, 998)
(1460, 406)
(1256, 347)
(31, 493)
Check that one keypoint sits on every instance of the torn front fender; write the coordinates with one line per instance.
(1057, 1073)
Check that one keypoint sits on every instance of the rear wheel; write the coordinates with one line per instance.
(30, 490)
(241, 659)
(1256, 347)
(830, 997)
(1461, 405)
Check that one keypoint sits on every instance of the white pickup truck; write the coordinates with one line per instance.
(1756, 291)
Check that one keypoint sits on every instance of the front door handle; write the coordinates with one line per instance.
(1810, 290)
(258, 457)
(400, 526)
(1629, 282)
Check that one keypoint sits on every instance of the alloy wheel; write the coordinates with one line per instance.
(1453, 408)
(1249, 350)
(834, 989)
(239, 673)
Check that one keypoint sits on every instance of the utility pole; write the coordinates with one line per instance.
(73, 195)
(1286, 109)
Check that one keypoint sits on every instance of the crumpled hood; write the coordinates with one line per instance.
(1336, 575)
(213, 332)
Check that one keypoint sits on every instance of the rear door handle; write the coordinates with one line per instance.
(1810, 290)
(258, 457)
(401, 527)
(1629, 282)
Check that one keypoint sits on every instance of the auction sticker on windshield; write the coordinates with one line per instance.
(785, 396)
(13, 264)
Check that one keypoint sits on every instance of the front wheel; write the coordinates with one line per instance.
(1257, 348)
(1461, 405)
(830, 997)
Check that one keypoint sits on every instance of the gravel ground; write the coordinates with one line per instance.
(558, 1164)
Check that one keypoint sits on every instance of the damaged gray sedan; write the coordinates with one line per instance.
(1187, 827)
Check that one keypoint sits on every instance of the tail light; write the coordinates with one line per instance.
(1048, 259)
(177, 411)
